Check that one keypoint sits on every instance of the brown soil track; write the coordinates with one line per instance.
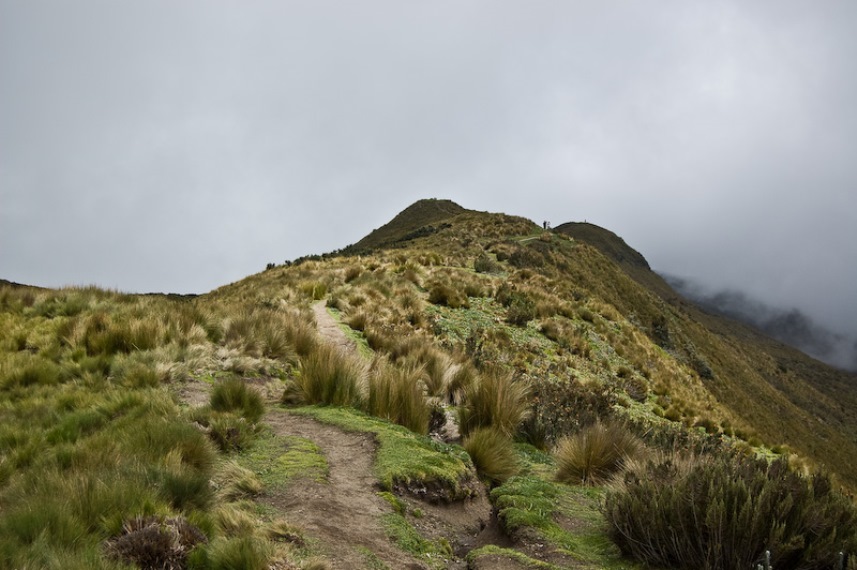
(343, 513)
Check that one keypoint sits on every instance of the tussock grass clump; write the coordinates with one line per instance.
(302, 336)
(397, 394)
(461, 378)
(246, 553)
(496, 400)
(233, 395)
(228, 431)
(492, 453)
(595, 454)
(358, 320)
(436, 367)
(235, 482)
(263, 332)
(106, 334)
(442, 294)
(30, 370)
(723, 511)
(327, 376)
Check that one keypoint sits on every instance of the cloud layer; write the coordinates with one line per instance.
(165, 146)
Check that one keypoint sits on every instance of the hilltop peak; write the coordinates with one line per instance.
(422, 215)
(606, 242)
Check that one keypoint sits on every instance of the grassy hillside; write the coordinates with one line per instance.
(489, 365)
(787, 396)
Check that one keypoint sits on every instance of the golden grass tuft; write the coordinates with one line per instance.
(595, 454)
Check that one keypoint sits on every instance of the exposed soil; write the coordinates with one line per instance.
(330, 330)
(343, 513)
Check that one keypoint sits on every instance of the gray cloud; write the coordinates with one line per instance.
(788, 325)
(181, 146)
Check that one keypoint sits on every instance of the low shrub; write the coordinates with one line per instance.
(154, 542)
(497, 400)
(492, 454)
(526, 257)
(233, 395)
(486, 264)
(636, 388)
(595, 454)
(563, 407)
(521, 310)
(723, 511)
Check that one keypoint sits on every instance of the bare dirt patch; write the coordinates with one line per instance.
(343, 514)
(330, 330)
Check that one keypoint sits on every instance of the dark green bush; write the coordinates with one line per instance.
(723, 512)
(564, 407)
(526, 257)
(154, 542)
(485, 264)
(521, 310)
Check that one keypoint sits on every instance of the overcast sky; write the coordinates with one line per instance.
(181, 145)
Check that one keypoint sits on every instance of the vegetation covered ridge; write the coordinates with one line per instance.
(501, 363)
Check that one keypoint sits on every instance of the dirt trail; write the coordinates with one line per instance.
(342, 516)
(330, 330)
(343, 513)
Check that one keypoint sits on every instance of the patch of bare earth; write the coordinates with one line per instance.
(344, 513)
(330, 330)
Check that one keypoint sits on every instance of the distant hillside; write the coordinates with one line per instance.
(752, 373)
(606, 242)
(418, 219)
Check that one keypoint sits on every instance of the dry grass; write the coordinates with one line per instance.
(496, 400)
(595, 454)
(492, 453)
(398, 394)
(327, 376)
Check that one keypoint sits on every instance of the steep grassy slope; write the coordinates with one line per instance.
(789, 397)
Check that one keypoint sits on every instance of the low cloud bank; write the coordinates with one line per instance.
(788, 325)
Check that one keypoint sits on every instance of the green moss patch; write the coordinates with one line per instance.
(277, 460)
(493, 551)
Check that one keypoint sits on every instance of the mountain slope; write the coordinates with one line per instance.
(475, 342)
(788, 396)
